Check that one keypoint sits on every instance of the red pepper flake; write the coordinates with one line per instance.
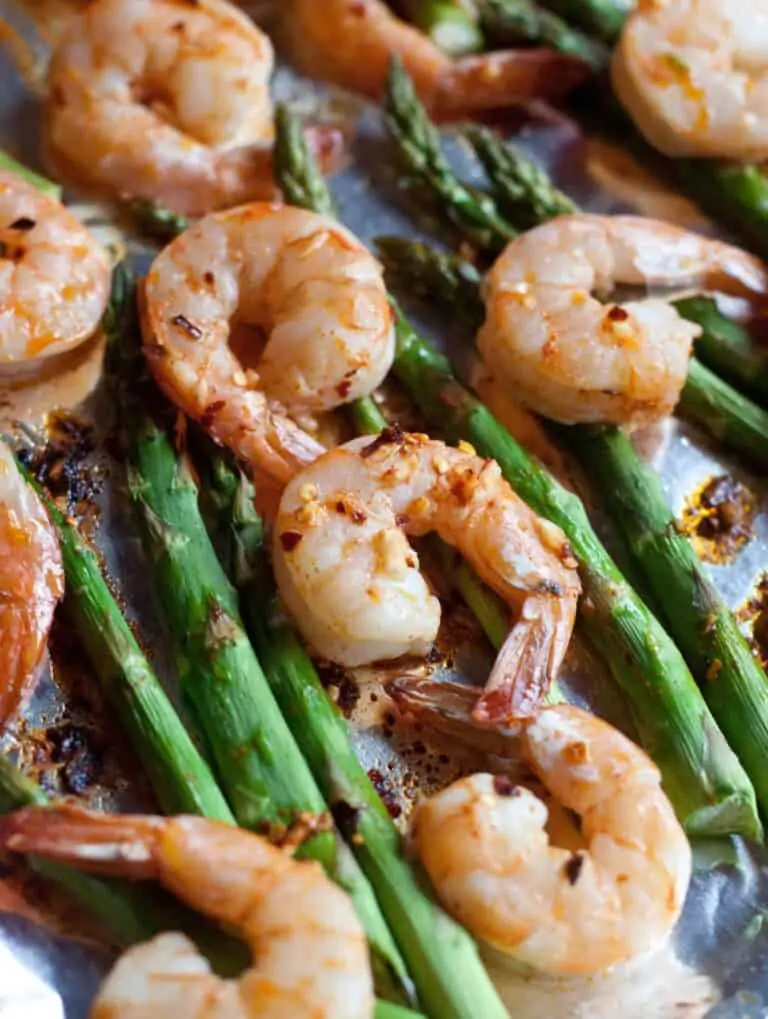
(209, 278)
(504, 786)
(359, 516)
(618, 314)
(341, 506)
(189, 327)
(210, 413)
(290, 539)
(402, 519)
(343, 388)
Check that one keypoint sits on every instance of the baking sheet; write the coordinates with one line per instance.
(49, 968)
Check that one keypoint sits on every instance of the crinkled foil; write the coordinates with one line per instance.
(715, 964)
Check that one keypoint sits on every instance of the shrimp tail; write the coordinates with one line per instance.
(448, 708)
(499, 80)
(100, 843)
(528, 661)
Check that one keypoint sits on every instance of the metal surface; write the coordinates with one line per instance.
(715, 964)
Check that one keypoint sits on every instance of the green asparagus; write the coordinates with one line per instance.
(180, 777)
(705, 781)
(418, 143)
(262, 771)
(508, 22)
(735, 686)
(602, 18)
(447, 24)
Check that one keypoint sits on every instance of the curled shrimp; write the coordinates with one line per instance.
(165, 100)
(310, 953)
(31, 585)
(304, 280)
(352, 582)
(372, 35)
(484, 845)
(54, 277)
(693, 75)
(570, 353)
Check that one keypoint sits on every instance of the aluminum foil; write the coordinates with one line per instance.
(50, 964)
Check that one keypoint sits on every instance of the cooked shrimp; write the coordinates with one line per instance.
(301, 278)
(310, 953)
(352, 582)
(54, 277)
(484, 845)
(372, 35)
(568, 355)
(166, 100)
(693, 75)
(31, 585)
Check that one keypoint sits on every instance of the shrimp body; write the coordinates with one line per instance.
(693, 75)
(310, 953)
(484, 845)
(352, 582)
(372, 35)
(164, 100)
(54, 277)
(31, 585)
(568, 355)
(306, 282)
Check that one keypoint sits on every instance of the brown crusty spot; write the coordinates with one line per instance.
(23, 223)
(573, 866)
(189, 327)
(389, 436)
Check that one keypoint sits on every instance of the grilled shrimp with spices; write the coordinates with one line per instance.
(351, 580)
(310, 953)
(306, 282)
(693, 75)
(54, 278)
(31, 585)
(167, 101)
(372, 35)
(567, 351)
(484, 844)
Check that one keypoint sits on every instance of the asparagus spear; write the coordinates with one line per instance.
(7, 162)
(602, 18)
(418, 144)
(447, 24)
(180, 777)
(156, 221)
(702, 776)
(261, 769)
(131, 913)
(507, 22)
(727, 348)
(736, 688)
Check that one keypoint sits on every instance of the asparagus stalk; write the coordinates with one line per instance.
(736, 688)
(157, 221)
(129, 912)
(180, 777)
(727, 348)
(418, 144)
(449, 25)
(7, 162)
(266, 779)
(702, 776)
(602, 18)
(507, 22)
